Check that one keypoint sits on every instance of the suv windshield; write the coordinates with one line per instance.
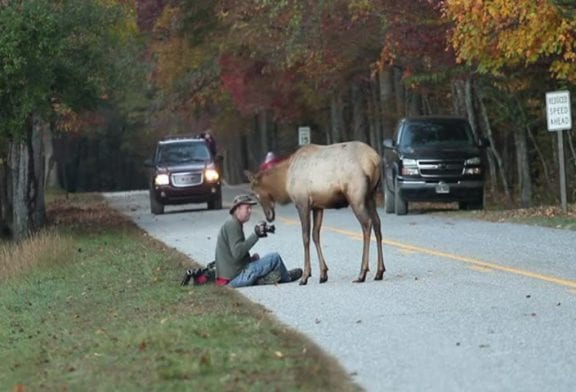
(174, 153)
(437, 133)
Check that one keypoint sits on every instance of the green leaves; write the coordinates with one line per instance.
(62, 51)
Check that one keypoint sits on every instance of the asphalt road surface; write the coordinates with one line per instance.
(464, 305)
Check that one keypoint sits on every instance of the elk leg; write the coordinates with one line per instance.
(318, 215)
(304, 214)
(378, 233)
(366, 230)
(364, 219)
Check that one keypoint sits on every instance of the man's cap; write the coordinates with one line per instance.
(242, 199)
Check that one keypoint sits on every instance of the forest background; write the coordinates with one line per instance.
(86, 88)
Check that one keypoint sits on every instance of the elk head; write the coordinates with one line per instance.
(263, 194)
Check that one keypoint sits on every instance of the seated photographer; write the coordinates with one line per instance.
(234, 264)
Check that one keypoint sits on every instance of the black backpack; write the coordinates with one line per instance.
(200, 276)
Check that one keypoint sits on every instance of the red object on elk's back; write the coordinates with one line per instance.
(270, 160)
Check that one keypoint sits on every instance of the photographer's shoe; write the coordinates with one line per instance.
(295, 274)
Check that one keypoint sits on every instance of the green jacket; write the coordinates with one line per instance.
(232, 249)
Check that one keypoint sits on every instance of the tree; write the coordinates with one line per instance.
(51, 53)
(513, 42)
(500, 34)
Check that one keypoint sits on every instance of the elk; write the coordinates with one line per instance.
(316, 178)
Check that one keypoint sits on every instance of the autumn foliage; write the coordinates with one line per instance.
(500, 34)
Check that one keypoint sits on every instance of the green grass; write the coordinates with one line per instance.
(112, 317)
(545, 215)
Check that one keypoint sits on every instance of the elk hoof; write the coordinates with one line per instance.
(379, 276)
(303, 282)
(324, 279)
(359, 280)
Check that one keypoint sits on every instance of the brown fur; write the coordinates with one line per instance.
(317, 177)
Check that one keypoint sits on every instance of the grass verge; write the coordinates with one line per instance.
(546, 216)
(100, 308)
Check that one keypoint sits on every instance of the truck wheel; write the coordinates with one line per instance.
(156, 207)
(477, 204)
(388, 199)
(400, 205)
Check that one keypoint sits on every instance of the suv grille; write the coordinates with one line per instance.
(442, 168)
(180, 180)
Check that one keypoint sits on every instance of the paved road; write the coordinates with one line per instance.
(464, 305)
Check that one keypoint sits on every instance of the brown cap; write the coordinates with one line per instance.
(242, 199)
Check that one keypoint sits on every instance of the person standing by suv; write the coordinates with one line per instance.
(235, 266)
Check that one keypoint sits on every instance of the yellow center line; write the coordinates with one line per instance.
(478, 263)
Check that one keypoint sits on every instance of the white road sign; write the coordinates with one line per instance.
(303, 135)
(558, 110)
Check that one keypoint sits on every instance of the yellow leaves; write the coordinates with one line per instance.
(67, 120)
(173, 53)
(564, 70)
(174, 57)
(500, 33)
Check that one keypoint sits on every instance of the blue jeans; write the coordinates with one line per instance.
(260, 268)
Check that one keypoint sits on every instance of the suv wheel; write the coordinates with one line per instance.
(400, 205)
(156, 207)
(389, 207)
(216, 202)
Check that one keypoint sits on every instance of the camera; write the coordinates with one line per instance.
(269, 228)
(262, 229)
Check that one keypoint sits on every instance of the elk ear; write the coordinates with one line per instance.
(249, 175)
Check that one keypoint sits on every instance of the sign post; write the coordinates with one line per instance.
(303, 135)
(559, 118)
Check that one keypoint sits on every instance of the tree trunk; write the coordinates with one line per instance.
(358, 118)
(39, 174)
(49, 160)
(375, 116)
(494, 158)
(336, 118)
(263, 134)
(26, 162)
(523, 165)
(389, 113)
(233, 154)
(413, 107)
(5, 208)
(469, 94)
(571, 168)
(400, 93)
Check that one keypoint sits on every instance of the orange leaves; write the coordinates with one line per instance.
(70, 121)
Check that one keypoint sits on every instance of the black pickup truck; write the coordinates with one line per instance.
(433, 159)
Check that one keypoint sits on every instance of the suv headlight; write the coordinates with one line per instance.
(473, 161)
(162, 179)
(211, 175)
(409, 167)
(475, 170)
